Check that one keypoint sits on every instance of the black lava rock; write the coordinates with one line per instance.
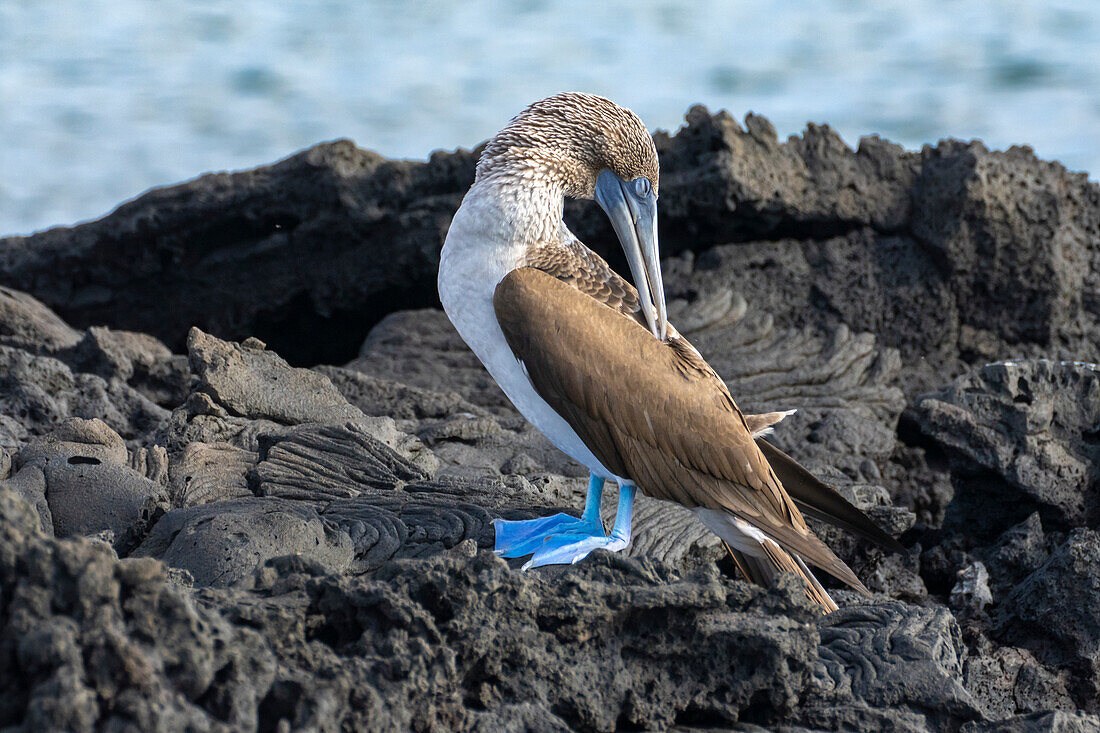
(223, 539)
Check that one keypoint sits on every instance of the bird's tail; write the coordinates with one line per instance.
(759, 558)
(763, 571)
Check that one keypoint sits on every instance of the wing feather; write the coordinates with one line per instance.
(589, 273)
(650, 411)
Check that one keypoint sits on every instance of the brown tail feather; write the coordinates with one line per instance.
(821, 501)
(763, 571)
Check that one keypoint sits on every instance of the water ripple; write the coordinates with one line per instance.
(101, 99)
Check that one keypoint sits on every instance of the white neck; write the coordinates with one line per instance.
(501, 218)
(522, 205)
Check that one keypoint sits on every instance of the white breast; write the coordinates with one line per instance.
(482, 247)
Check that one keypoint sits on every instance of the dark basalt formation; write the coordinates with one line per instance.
(202, 528)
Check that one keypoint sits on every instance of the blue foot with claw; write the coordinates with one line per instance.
(567, 548)
(519, 538)
(563, 539)
(516, 539)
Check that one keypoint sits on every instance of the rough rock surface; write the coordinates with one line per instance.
(25, 323)
(138, 359)
(326, 460)
(222, 543)
(957, 251)
(252, 382)
(89, 642)
(219, 540)
(1056, 612)
(1034, 425)
(210, 472)
(39, 392)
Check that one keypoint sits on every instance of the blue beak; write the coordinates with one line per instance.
(632, 208)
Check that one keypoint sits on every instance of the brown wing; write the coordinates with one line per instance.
(650, 411)
(589, 273)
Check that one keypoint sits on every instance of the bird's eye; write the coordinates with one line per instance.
(642, 187)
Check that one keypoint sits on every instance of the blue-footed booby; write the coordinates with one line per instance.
(593, 363)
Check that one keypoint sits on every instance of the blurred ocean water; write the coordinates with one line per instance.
(101, 99)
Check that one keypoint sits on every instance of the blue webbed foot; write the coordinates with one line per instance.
(519, 538)
(516, 539)
(563, 539)
(566, 549)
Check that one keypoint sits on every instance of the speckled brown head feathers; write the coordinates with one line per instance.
(572, 137)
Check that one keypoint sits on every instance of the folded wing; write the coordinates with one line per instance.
(650, 411)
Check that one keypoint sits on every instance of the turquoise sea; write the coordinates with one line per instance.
(101, 99)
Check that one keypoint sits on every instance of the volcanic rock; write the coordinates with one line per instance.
(151, 462)
(312, 548)
(1031, 427)
(325, 461)
(138, 359)
(89, 486)
(90, 641)
(206, 473)
(1010, 681)
(252, 382)
(223, 543)
(1056, 612)
(29, 485)
(26, 323)
(41, 392)
(88, 441)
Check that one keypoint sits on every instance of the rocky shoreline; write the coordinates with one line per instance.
(202, 529)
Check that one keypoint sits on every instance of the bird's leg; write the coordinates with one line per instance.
(519, 538)
(592, 501)
(567, 548)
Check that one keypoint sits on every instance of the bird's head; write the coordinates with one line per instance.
(592, 148)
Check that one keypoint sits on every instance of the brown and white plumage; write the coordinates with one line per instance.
(660, 417)
(576, 347)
